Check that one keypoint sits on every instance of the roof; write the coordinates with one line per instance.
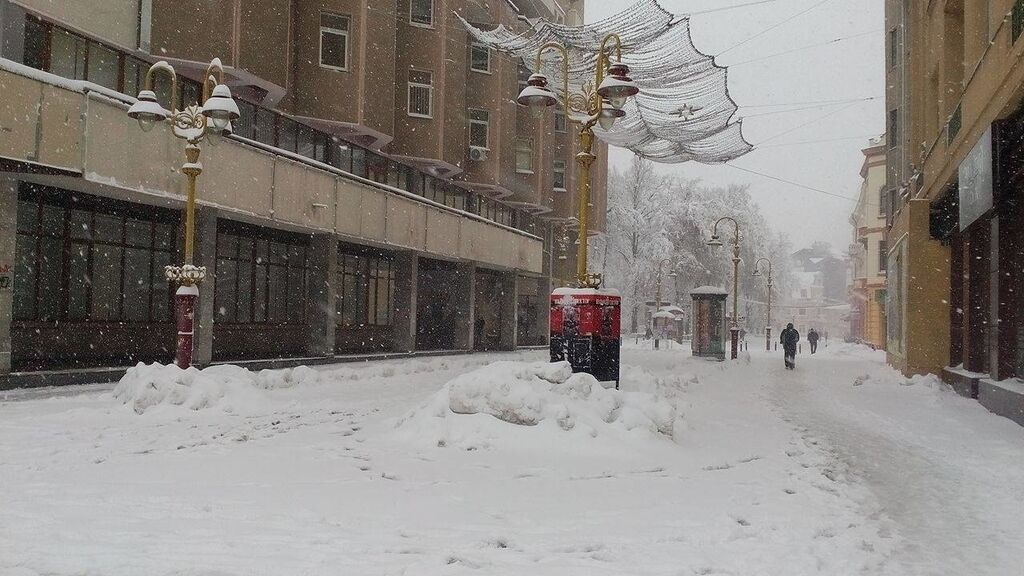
(709, 290)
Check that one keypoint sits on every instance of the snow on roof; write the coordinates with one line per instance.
(709, 290)
(663, 314)
(584, 291)
(674, 309)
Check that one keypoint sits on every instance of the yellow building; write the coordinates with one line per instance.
(955, 85)
(868, 252)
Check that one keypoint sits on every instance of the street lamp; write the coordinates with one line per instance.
(716, 241)
(770, 283)
(602, 107)
(211, 118)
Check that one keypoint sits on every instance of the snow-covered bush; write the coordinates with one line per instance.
(544, 395)
(229, 388)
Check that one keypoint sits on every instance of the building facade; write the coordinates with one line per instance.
(817, 299)
(381, 191)
(868, 252)
(955, 258)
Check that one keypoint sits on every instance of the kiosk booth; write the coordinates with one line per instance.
(709, 318)
(585, 331)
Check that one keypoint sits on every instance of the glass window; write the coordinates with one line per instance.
(478, 123)
(259, 280)
(306, 141)
(559, 121)
(265, 121)
(104, 66)
(334, 41)
(25, 277)
(287, 134)
(134, 75)
(245, 126)
(358, 161)
(883, 256)
(524, 155)
(421, 12)
(480, 58)
(37, 38)
(559, 175)
(67, 55)
(420, 93)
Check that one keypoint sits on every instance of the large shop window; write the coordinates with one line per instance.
(84, 259)
(261, 276)
(365, 289)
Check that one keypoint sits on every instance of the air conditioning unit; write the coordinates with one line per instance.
(477, 153)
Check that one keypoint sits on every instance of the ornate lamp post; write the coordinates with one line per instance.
(717, 242)
(211, 118)
(770, 283)
(602, 106)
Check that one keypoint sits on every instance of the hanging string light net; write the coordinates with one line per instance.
(683, 111)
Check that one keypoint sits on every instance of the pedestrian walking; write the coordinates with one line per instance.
(812, 337)
(789, 339)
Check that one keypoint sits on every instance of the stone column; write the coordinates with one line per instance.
(205, 255)
(321, 304)
(403, 316)
(8, 230)
(465, 286)
(508, 303)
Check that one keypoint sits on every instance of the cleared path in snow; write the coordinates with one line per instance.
(946, 472)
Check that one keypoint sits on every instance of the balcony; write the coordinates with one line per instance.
(76, 135)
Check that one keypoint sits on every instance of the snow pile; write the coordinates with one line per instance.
(229, 388)
(504, 397)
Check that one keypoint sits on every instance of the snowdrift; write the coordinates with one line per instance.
(229, 388)
(505, 397)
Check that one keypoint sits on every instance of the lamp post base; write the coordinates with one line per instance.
(768, 339)
(735, 337)
(185, 317)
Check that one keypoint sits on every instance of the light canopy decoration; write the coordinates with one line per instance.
(683, 111)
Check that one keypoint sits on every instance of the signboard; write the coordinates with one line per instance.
(6, 277)
(976, 181)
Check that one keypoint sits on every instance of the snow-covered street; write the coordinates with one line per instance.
(842, 467)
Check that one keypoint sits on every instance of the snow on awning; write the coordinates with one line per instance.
(683, 112)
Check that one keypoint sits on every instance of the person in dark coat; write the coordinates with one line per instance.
(812, 337)
(789, 339)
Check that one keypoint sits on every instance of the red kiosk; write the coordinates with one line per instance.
(585, 331)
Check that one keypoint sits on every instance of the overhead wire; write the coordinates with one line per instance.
(770, 28)
(792, 183)
(801, 48)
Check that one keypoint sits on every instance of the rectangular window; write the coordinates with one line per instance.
(894, 128)
(524, 155)
(894, 48)
(1017, 19)
(421, 12)
(366, 283)
(478, 123)
(559, 121)
(883, 257)
(67, 55)
(334, 41)
(480, 58)
(261, 276)
(104, 66)
(421, 93)
(84, 259)
(558, 182)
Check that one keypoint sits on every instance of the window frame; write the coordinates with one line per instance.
(486, 124)
(418, 24)
(563, 171)
(336, 31)
(564, 121)
(474, 46)
(883, 257)
(430, 94)
(529, 148)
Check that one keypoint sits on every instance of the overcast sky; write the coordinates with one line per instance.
(844, 70)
